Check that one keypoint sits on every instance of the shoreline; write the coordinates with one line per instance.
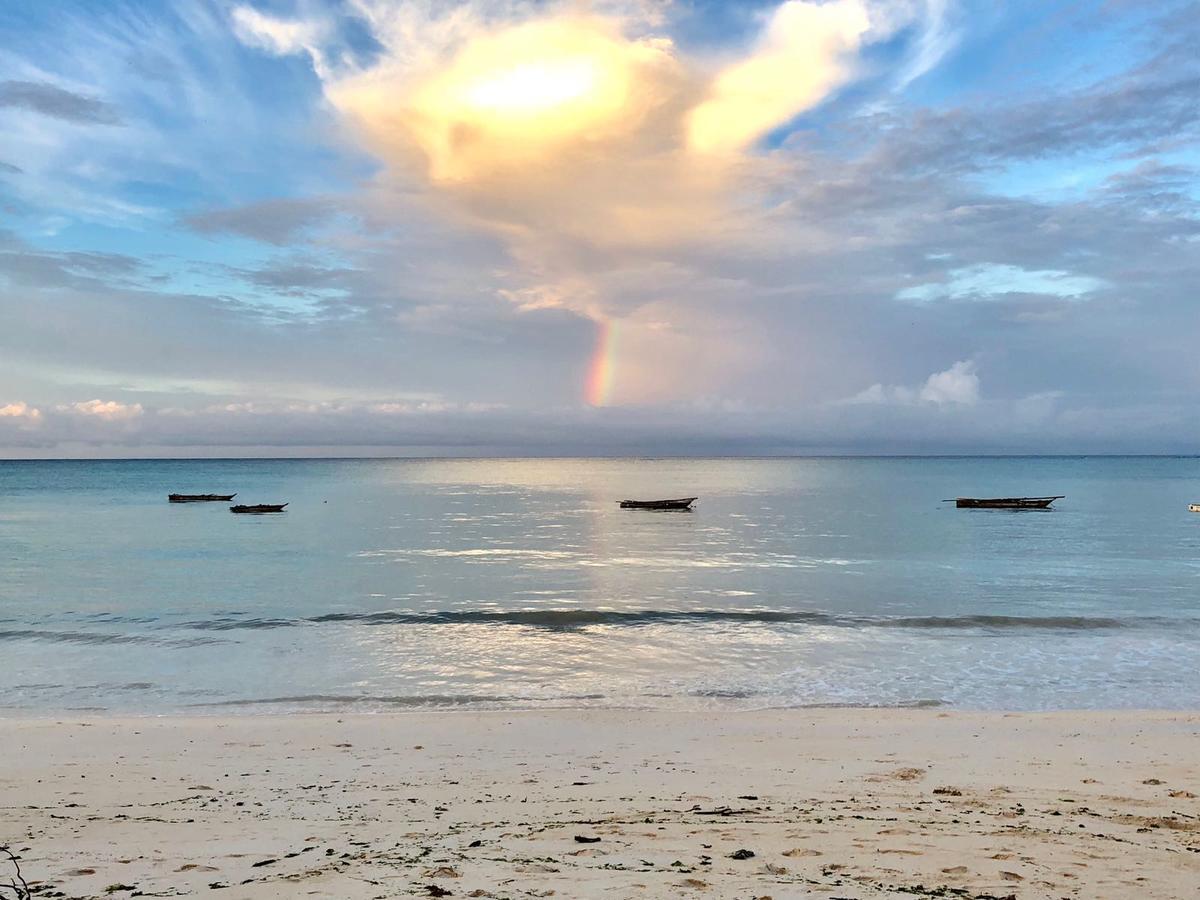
(843, 802)
(268, 710)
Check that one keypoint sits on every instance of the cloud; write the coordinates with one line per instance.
(988, 281)
(22, 265)
(586, 143)
(105, 410)
(559, 122)
(24, 415)
(516, 98)
(281, 36)
(277, 221)
(938, 38)
(806, 51)
(59, 103)
(414, 426)
(956, 385)
(557, 128)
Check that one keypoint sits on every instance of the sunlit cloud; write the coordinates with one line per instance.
(24, 415)
(806, 51)
(106, 410)
(584, 140)
(514, 99)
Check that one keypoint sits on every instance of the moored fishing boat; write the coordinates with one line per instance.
(198, 498)
(259, 508)
(678, 503)
(1005, 502)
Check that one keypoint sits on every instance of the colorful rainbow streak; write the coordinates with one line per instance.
(599, 385)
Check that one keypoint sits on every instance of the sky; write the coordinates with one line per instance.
(408, 227)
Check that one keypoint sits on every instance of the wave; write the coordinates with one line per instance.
(569, 619)
(565, 620)
(417, 700)
(444, 701)
(98, 638)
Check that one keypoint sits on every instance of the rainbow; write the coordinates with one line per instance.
(598, 388)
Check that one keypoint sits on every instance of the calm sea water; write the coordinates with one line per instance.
(394, 584)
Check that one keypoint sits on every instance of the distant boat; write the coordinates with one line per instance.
(680, 503)
(259, 508)
(1194, 507)
(1005, 502)
(198, 498)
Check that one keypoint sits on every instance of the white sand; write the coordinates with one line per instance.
(833, 803)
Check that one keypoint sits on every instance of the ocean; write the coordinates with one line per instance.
(397, 584)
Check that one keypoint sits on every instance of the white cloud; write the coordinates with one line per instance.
(806, 51)
(106, 410)
(22, 413)
(937, 39)
(958, 385)
(988, 281)
(281, 37)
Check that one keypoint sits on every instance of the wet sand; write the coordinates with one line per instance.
(579, 804)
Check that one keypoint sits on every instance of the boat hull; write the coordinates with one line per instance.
(679, 503)
(258, 508)
(1005, 502)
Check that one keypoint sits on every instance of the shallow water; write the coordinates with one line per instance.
(391, 583)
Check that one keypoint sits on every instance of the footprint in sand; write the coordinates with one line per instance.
(801, 851)
(956, 870)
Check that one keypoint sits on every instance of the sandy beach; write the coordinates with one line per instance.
(834, 803)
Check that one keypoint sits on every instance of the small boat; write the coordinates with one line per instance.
(198, 498)
(259, 508)
(680, 503)
(1005, 502)
(1194, 507)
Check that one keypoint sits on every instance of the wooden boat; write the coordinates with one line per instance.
(1194, 507)
(1005, 502)
(680, 503)
(259, 508)
(198, 498)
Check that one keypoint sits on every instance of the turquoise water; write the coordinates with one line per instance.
(398, 583)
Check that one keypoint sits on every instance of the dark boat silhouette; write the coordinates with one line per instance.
(1005, 502)
(679, 503)
(198, 498)
(259, 508)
